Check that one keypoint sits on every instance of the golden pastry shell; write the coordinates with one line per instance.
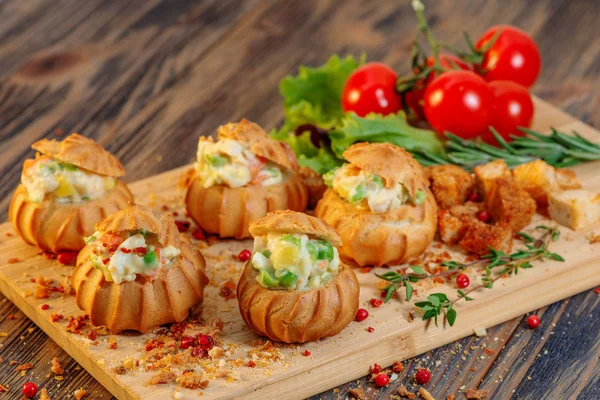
(287, 221)
(370, 238)
(58, 227)
(298, 316)
(82, 152)
(227, 211)
(146, 302)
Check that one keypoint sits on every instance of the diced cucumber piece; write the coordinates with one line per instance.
(216, 160)
(377, 180)
(292, 239)
(288, 280)
(419, 197)
(312, 249)
(68, 167)
(265, 279)
(266, 253)
(359, 194)
(89, 239)
(325, 250)
(329, 176)
(150, 259)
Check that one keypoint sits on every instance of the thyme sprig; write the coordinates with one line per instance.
(497, 265)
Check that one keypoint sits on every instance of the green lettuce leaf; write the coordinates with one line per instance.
(320, 160)
(314, 95)
(391, 128)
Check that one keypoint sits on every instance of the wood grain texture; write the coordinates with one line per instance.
(146, 78)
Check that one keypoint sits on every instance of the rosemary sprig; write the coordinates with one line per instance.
(497, 265)
(557, 149)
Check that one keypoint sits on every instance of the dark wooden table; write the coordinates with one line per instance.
(147, 77)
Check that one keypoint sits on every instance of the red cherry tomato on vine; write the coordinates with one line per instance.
(414, 98)
(447, 61)
(459, 102)
(514, 56)
(513, 107)
(371, 89)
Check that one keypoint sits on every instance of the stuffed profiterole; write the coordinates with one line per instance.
(295, 289)
(380, 204)
(240, 178)
(138, 272)
(68, 188)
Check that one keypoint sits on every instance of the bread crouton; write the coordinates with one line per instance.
(538, 179)
(450, 184)
(453, 223)
(575, 209)
(486, 174)
(508, 203)
(567, 179)
(479, 236)
(451, 228)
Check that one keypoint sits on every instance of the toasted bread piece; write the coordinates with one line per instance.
(508, 203)
(538, 179)
(451, 227)
(486, 174)
(452, 223)
(575, 209)
(479, 236)
(567, 179)
(450, 184)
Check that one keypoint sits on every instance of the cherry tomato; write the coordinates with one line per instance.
(514, 56)
(513, 107)
(459, 102)
(414, 98)
(371, 89)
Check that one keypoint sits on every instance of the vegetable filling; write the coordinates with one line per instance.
(228, 162)
(367, 190)
(121, 259)
(47, 178)
(294, 261)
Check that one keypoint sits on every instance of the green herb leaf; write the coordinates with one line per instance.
(409, 290)
(451, 316)
(314, 95)
(391, 128)
(417, 269)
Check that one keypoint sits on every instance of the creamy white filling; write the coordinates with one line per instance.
(294, 261)
(228, 162)
(64, 183)
(368, 190)
(131, 258)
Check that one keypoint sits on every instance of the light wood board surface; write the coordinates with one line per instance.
(331, 361)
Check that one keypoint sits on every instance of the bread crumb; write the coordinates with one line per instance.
(473, 394)
(402, 391)
(56, 367)
(425, 394)
(44, 394)
(79, 393)
(357, 393)
(24, 367)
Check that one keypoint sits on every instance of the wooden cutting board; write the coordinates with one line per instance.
(332, 361)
